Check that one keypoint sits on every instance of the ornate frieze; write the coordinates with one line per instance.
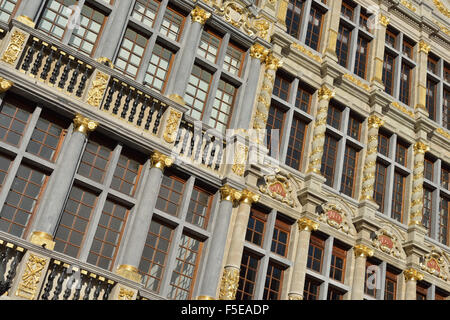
(28, 285)
(229, 284)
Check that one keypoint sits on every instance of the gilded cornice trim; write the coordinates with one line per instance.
(441, 7)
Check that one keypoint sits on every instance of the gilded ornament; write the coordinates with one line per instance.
(442, 27)
(84, 125)
(177, 98)
(125, 294)
(408, 5)
(358, 82)
(5, 85)
(424, 47)
(307, 52)
(441, 7)
(229, 284)
(26, 21)
(412, 274)
(278, 187)
(240, 159)
(129, 272)
(272, 62)
(42, 239)
(403, 109)
(170, 133)
(305, 224)
(228, 193)
(258, 51)
(200, 15)
(436, 264)
(421, 147)
(161, 161)
(337, 218)
(97, 90)
(105, 61)
(442, 132)
(384, 20)
(249, 197)
(28, 285)
(375, 122)
(326, 93)
(14, 48)
(361, 250)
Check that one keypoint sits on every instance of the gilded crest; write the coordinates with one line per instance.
(389, 241)
(338, 218)
(436, 263)
(279, 187)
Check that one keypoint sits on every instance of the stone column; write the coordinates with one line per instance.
(135, 243)
(258, 55)
(417, 189)
(421, 79)
(230, 278)
(29, 8)
(48, 215)
(315, 160)
(199, 17)
(378, 50)
(333, 29)
(374, 123)
(359, 274)
(265, 97)
(112, 36)
(411, 278)
(305, 226)
(213, 268)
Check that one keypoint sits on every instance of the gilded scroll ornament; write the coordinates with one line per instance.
(361, 250)
(228, 193)
(27, 287)
(97, 90)
(125, 294)
(200, 15)
(84, 125)
(14, 48)
(412, 274)
(26, 21)
(173, 123)
(424, 47)
(5, 85)
(258, 51)
(388, 242)
(337, 218)
(326, 93)
(229, 284)
(161, 161)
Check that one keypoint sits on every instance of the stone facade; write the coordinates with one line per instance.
(111, 188)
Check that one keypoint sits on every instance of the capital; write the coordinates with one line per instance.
(421, 147)
(228, 193)
(129, 272)
(5, 85)
(258, 51)
(361, 250)
(272, 62)
(384, 20)
(105, 61)
(161, 161)
(249, 197)
(325, 93)
(412, 274)
(84, 125)
(42, 239)
(305, 224)
(200, 15)
(424, 47)
(375, 122)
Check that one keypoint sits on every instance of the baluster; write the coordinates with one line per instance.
(88, 289)
(205, 152)
(82, 82)
(27, 61)
(127, 104)
(49, 284)
(213, 152)
(107, 291)
(56, 70)
(134, 108)
(199, 148)
(65, 75)
(12, 270)
(219, 158)
(150, 116)
(158, 119)
(142, 113)
(74, 78)
(38, 62)
(191, 149)
(111, 92)
(185, 141)
(76, 295)
(59, 284)
(48, 64)
(4, 287)
(97, 290)
(118, 101)
(68, 290)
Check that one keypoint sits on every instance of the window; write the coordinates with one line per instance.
(145, 11)
(432, 64)
(199, 207)
(388, 73)
(280, 240)
(108, 235)
(183, 276)
(354, 127)
(159, 68)
(197, 91)
(46, 140)
(303, 98)
(294, 17)
(209, 46)
(343, 44)
(255, 228)
(329, 159)
(5, 164)
(170, 193)
(428, 169)
(402, 154)
(22, 200)
(312, 289)
(296, 143)
(347, 10)
(275, 121)
(281, 87)
(446, 110)
(391, 38)
(247, 278)
(362, 55)
(370, 290)
(427, 209)
(126, 175)
(233, 59)
(408, 48)
(223, 106)
(13, 122)
(154, 257)
(8, 9)
(390, 289)
(131, 52)
(334, 294)
(55, 17)
(337, 267)
(314, 30)
(405, 84)
(444, 221)
(349, 171)
(445, 177)
(431, 103)
(383, 144)
(397, 200)
(334, 116)
(274, 280)
(74, 221)
(315, 254)
(380, 184)
(172, 24)
(95, 160)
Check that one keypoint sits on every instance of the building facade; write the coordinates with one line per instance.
(248, 150)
